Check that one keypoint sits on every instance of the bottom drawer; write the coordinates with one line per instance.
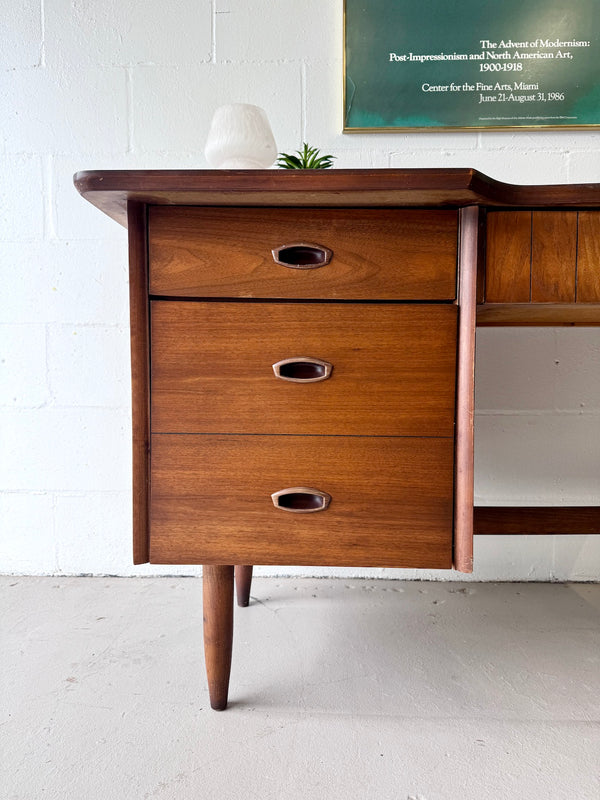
(391, 500)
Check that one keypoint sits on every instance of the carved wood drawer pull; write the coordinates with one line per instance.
(301, 500)
(302, 255)
(302, 370)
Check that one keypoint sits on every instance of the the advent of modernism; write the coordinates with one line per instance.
(432, 64)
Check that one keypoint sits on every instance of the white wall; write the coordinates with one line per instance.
(99, 84)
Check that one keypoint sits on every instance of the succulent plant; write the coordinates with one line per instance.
(307, 158)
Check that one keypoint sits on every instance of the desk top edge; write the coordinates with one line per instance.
(112, 190)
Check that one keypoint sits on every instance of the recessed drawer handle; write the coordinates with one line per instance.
(302, 370)
(302, 255)
(301, 500)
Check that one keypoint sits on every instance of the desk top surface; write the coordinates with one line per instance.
(112, 190)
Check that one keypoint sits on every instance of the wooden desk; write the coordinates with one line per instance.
(303, 361)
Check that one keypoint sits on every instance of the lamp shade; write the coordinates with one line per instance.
(240, 137)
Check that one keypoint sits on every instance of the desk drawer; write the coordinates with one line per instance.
(393, 368)
(405, 254)
(391, 500)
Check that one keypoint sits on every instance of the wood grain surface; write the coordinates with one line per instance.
(542, 258)
(508, 257)
(392, 500)
(469, 252)
(511, 520)
(553, 256)
(243, 584)
(523, 314)
(140, 378)
(588, 257)
(217, 602)
(393, 368)
(377, 253)
(110, 190)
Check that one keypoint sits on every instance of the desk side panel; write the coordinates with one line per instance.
(465, 389)
(140, 376)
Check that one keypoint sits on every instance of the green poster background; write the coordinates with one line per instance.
(423, 64)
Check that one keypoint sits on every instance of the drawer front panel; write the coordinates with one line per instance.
(391, 500)
(393, 368)
(376, 254)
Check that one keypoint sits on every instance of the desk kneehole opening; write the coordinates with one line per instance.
(301, 500)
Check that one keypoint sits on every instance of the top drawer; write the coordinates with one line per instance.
(375, 254)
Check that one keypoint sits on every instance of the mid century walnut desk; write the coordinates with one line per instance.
(303, 361)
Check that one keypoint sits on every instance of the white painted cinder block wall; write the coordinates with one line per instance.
(98, 84)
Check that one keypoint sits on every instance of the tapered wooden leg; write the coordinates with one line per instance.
(217, 592)
(243, 582)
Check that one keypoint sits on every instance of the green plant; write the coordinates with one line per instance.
(307, 158)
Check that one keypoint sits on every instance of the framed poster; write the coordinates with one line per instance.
(465, 64)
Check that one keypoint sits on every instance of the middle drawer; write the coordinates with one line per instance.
(392, 368)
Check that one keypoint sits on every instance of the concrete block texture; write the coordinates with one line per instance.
(543, 369)
(534, 166)
(64, 281)
(173, 108)
(278, 32)
(578, 369)
(576, 557)
(65, 449)
(78, 282)
(75, 354)
(537, 459)
(21, 198)
(82, 110)
(113, 33)
(72, 217)
(585, 166)
(515, 368)
(23, 366)
(21, 46)
(84, 518)
(27, 540)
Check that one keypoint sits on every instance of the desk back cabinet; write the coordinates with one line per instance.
(303, 359)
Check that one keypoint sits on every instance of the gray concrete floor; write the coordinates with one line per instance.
(363, 689)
